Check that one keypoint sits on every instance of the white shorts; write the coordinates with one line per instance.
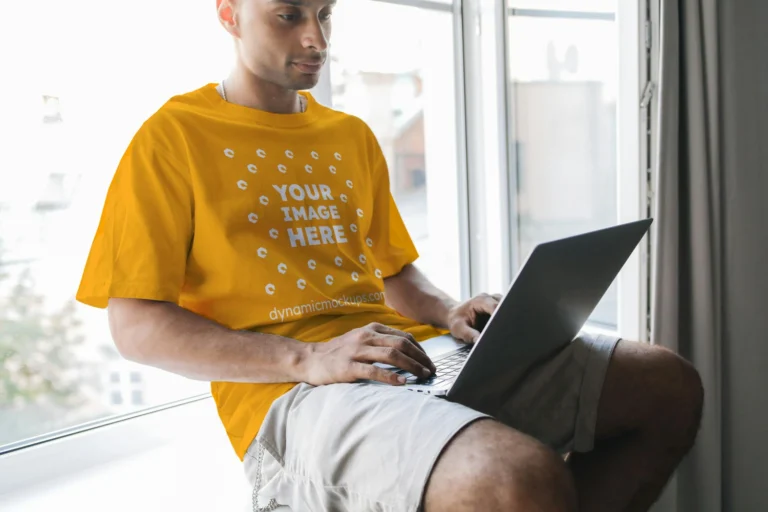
(364, 447)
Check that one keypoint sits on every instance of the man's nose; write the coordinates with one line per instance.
(314, 36)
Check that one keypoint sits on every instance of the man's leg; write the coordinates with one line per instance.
(489, 466)
(361, 447)
(648, 417)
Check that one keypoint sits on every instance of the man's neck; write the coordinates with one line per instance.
(244, 88)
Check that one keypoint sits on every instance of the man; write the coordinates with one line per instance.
(249, 239)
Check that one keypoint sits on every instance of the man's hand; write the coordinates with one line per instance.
(351, 356)
(463, 318)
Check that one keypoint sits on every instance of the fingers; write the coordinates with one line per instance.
(473, 313)
(390, 355)
(486, 303)
(383, 329)
(370, 372)
(466, 333)
(407, 349)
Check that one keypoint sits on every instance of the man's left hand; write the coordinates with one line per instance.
(462, 318)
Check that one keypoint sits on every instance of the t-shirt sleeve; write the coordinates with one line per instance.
(392, 244)
(141, 245)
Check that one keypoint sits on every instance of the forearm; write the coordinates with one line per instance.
(169, 337)
(412, 295)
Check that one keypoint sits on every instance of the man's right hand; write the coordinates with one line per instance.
(350, 357)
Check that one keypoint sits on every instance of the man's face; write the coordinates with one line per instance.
(284, 42)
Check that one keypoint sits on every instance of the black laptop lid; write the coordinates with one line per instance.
(549, 302)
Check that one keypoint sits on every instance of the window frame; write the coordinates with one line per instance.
(632, 149)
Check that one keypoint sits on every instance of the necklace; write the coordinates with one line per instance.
(302, 99)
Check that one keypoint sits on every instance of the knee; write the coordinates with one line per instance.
(541, 481)
(692, 395)
(534, 480)
(493, 467)
(681, 394)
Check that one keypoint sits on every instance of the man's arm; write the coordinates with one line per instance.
(166, 336)
(411, 294)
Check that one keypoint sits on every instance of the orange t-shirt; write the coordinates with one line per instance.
(278, 223)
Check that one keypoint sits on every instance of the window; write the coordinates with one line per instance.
(544, 112)
(137, 397)
(65, 123)
(403, 87)
(564, 126)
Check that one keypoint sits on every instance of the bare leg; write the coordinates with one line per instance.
(648, 418)
(491, 467)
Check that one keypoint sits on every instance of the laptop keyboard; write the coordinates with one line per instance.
(447, 369)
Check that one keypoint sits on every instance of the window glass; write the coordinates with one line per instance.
(563, 73)
(403, 87)
(69, 105)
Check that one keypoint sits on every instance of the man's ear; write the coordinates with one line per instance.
(227, 17)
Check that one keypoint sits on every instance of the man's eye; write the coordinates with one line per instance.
(288, 17)
(326, 16)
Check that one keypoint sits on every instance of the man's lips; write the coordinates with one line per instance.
(309, 67)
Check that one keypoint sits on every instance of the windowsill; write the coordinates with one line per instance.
(93, 425)
(174, 459)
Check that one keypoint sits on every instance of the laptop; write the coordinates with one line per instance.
(544, 309)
